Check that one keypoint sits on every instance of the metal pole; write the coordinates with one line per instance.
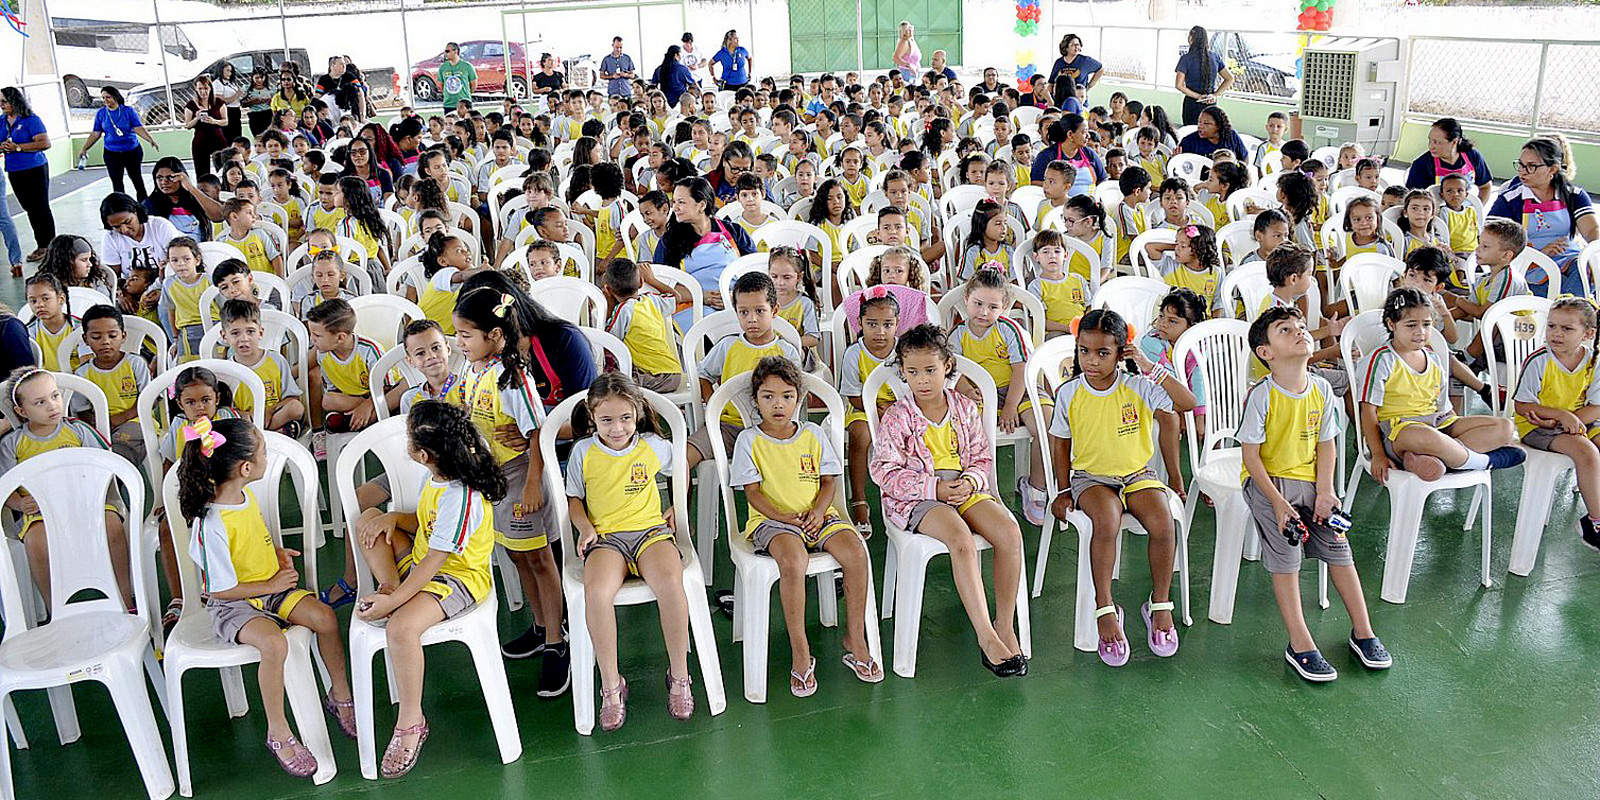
(283, 22)
(750, 12)
(861, 63)
(1538, 89)
(407, 95)
(172, 113)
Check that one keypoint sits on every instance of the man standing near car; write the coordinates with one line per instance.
(547, 81)
(617, 69)
(457, 79)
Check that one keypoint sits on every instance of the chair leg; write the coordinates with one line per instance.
(1533, 513)
(1182, 534)
(581, 651)
(908, 625)
(754, 607)
(65, 712)
(180, 730)
(827, 600)
(509, 581)
(1472, 510)
(1488, 533)
(139, 721)
(706, 531)
(738, 618)
(874, 634)
(1043, 556)
(1084, 634)
(890, 575)
(705, 640)
(233, 693)
(13, 724)
(1322, 585)
(305, 703)
(1024, 618)
(1406, 501)
(1233, 527)
(491, 667)
(361, 692)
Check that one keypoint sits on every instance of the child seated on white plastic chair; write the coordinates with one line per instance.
(787, 470)
(1288, 485)
(955, 456)
(643, 321)
(1558, 401)
(327, 283)
(32, 404)
(251, 586)
(1102, 438)
(283, 409)
(432, 564)
(120, 375)
(1405, 415)
(196, 393)
(755, 301)
(623, 530)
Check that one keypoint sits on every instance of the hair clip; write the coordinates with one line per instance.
(202, 432)
(313, 249)
(877, 292)
(505, 305)
(992, 265)
(1191, 231)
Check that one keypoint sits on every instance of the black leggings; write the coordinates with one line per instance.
(130, 162)
(1192, 109)
(260, 121)
(32, 188)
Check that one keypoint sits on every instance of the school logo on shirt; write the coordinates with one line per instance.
(484, 401)
(808, 465)
(129, 385)
(1130, 416)
(1313, 424)
(638, 478)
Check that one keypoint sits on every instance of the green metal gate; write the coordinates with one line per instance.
(823, 35)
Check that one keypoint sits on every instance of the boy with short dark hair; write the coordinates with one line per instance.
(242, 332)
(1288, 433)
(258, 249)
(121, 376)
(643, 321)
(345, 362)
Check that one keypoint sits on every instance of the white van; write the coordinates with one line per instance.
(92, 53)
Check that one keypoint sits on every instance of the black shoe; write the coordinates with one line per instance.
(1371, 652)
(1589, 531)
(528, 645)
(1009, 668)
(1486, 394)
(723, 600)
(555, 674)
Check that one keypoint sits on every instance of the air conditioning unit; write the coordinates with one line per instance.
(1351, 90)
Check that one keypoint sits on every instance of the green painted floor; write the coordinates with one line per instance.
(1492, 695)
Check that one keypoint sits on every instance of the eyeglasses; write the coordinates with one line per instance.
(1526, 167)
(168, 177)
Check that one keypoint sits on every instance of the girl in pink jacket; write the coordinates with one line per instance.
(932, 460)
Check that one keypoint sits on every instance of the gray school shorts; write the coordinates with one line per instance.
(1277, 555)
(921, 510)
(1079, 482)
(1392, 428)
(632, 544)
(1543, 438)
(664, 382)
(700, 440)
(228, 617)
(1336, 377)
(769, 529)
(530, 531)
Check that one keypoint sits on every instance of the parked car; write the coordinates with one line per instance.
(488, 59)
(150, 100)
(121, 53)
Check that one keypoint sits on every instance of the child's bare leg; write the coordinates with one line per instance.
(121, 566)
(859, 451)
(792, 559)
(312, 614)
(944, 524)
(404, 635)
(1035, 460)
(1104, 508)
(1149, 506)
(381, 558)
(169, 561)
(523, 561)
(35, 540)
(547, 579)
(603, 573)
(661, 566)
(1348, 584)
(995, 525)
(1426, 441)
(1586, 461)
(1286, 588)
(265, 635)
(1483, 434)
(851, 553)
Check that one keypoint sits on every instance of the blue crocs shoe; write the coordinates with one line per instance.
(1508, 456)
(1371, 652)
(1311, 665)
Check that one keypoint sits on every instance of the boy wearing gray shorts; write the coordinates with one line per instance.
(1289, 434)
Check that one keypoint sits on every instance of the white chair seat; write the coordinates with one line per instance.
(63, 642)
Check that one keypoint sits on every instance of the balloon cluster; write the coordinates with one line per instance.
(1027, 25)
(1315, 15)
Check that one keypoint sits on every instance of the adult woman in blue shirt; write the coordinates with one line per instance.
(735, 61)
(1073, 67)
(1450, 152)
(1197, 76)
(1554, 212)
(1069, 141)
(122, 129)
(1212, 133)
(23, 140)
(672, 77)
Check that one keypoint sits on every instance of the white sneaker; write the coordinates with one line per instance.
(319, 445)
(1033, 502)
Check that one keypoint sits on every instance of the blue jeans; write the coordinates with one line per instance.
(8, 229)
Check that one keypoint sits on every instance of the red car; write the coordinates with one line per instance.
(488, 57)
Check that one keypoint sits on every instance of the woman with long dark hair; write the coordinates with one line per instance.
(672, 76)
(360, 162)
(1198, 74)
(698, 243)
(122, 129)
(23, 140)
(1450, 152)
(1069, 142)
(207, 117)
(559, 357)
(176, 198)
(230, 88)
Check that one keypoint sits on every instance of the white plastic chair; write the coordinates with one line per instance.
(1408, 494)
(1519, 321)
(1134, 298)
(96, 639)
(802, 236)
(1365, 279)
(604, 345)
(349, 250)
(269, 288)
(908, 553)
(382, 318)
(755, 574)
(634, 591)
(1187, 166)
(573, 299)
(750, 262)
(1046, 367)
(960, 200)
(357, 279)
(733, 209)
(1141, 262)
(1238, 240)
(140, 331)
(193, 645)
(1241, 200)
(476, 629)
(1530, 257)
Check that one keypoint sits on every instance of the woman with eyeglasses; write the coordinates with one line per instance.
(1553, 211)
(1450, 152)
(178, 200)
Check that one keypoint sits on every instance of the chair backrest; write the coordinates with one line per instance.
(603, 344)
(771, 209)
(139, 332)
(1588, 266)
(1135, 299)
(269, 288)
(954, 305)
(678, 434)
(1046, 369)
(1238, 240)
(1530, 257)
(573, 299)
(1365, 278)
(856, 267)
(409, 269)
(214, 253)
(1187, 166)
(1141, 262)
(750, 262)
(70, 485)
(414, 245)
(803, 236)
(388, 442)
(1108, 194)
(965, 368)
(357, 279)
(1518, 322)
(278, 329)
(80, 298)
(152, 403)
(382, 317)
(677, 278)
(705, 333)
(349, 250)
(1249, 283)
(960, 200)
(1240, 202)
(853, 234)
(72, 386)
(1221, 351)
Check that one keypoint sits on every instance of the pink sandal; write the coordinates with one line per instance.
(300, 762)
(1163, 643)
(338, 709)
(867, 671)
(1114, 653)
(679, 705)
(614, 707)
(399, 759)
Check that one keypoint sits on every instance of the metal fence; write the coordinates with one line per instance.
(1523, 86)
(1262, 61)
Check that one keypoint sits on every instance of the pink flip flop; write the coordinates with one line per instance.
(1163, 643)
(1114, 653)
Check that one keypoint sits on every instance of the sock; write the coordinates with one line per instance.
(1475, 460)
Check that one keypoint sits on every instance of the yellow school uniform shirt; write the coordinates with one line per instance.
(233, 546)
(1131, 221)
(618, 487)
(644, 324)
(1064, 300)
(184, 299)
(296, 211)
(790, 470)
(1202, 283)
(276, 378)
(1219, 210)
(492, 406)
(21, 444)
(1463, 225)
(940, 438)
(255, 248)
(1399, 391)
(1113, 430)
(999, 349)
(749, 227)
(608, 230)
(857, 190)
(735, 355)
(1319, 215)
(1348, 246)
(835, 239)
(121, 383)
(1548, 382)
(351, 375)
(1155, 164)
(1288, 426)
(355, 230)
(319, 216)
(458, 521)
(1080, 266)
(1022, 175)
(50, 343)
(438, 299)
(1043, 211)
(857, 364)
